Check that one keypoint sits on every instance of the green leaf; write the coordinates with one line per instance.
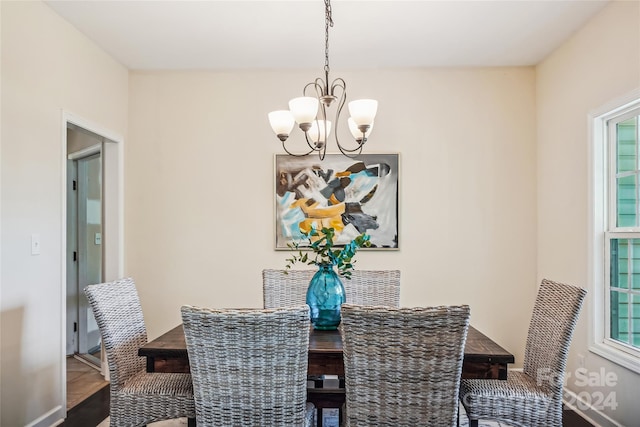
(321, 244)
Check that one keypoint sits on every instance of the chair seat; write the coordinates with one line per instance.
(159, 384)
(500, 399)
(150, 397)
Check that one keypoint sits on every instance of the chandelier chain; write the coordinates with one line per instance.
(328, 22)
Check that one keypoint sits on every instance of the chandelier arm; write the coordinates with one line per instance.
(284, 147)
(343, 98)
(319, 85)
(314, 146)
(322, 113)
(352, 154)
(322, 117)
(344, 150)
(340, 83)
(322, 152)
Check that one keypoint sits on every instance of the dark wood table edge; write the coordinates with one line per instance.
(492, 363)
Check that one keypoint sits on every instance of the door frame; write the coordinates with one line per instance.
(112, 216)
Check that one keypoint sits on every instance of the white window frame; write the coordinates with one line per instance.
(602, 228)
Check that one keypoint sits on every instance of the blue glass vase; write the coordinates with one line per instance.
(325, 295)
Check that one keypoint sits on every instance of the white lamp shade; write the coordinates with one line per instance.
(317, 131)
(281, 122)
(363, 111)
(304, 109)
(357, 133)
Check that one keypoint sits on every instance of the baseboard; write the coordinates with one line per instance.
(51, 418)
(588, 412)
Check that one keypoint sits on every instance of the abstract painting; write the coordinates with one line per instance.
(351, 195)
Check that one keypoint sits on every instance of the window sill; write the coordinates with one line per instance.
(616, 356)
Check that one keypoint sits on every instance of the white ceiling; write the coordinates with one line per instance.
(241, 34)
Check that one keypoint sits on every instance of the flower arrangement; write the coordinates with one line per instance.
(321, 243)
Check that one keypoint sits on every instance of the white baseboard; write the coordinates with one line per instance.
(51, 418)
(588, 412)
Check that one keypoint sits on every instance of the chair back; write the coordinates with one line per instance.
(403, 365)
(116, 308)
(373, 287)
(280, 289)
(554, 317)
(366, 287)
(248, 366)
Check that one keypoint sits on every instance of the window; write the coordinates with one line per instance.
(615, 326)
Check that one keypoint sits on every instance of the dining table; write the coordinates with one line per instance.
(483, 359)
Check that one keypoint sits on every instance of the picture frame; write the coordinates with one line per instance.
(352, 195)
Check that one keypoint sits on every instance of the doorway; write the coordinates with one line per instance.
(93, 238)
(84, 242)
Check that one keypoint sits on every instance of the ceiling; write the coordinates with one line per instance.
(242, 34)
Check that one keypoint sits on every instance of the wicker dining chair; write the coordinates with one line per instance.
(249, 366)
(366, 287)
(532, 397)
(403, 365)
(137, 398)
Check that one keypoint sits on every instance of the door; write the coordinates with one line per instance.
(84, 251)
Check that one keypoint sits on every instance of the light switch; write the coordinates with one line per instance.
(98, 239)
(35, 244)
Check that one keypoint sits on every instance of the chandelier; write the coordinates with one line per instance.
(310, 112)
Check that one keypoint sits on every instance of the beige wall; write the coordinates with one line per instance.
(199, 194)
(47, 67)
(599, 64)
(493, 184)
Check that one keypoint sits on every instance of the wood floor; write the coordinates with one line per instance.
(93, 410)
(88, 398)
(87, 395)
(82, 381)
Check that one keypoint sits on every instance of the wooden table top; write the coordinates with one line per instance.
(478, 348)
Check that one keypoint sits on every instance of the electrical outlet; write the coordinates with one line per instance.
(581, 360)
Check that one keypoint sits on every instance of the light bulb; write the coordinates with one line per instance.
(304, 109)
(317, 132)
(281, 122)
(357, 133)
(363, 111)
